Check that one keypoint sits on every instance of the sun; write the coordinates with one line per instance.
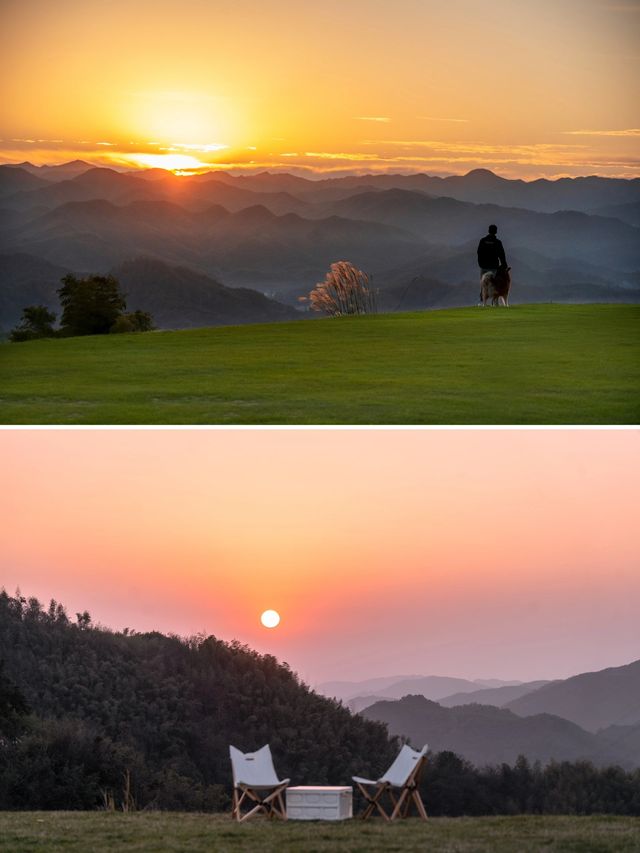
(171, 162)
(270, 619)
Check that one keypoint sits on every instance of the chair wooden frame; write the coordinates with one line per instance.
(272, 805)
(255, 784)
(396, 778)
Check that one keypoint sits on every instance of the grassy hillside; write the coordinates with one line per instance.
(529, 364)
(202, 833)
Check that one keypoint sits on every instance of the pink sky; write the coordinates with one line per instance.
(510, 554)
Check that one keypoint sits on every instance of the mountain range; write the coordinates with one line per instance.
(484, 734)
(593, 716)
(436, 687)
(566, 240)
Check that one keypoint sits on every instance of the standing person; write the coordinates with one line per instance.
(491, 252)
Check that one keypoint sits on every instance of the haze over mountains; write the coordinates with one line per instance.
(487, 735)
(567, 240)
(593, 716)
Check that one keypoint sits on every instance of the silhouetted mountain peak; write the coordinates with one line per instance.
(484, 177)
(24, 165)
(96, 170)
(255, 214)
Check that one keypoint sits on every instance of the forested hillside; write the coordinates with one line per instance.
(165, 709)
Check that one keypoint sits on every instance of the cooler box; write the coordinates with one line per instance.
(306, 802)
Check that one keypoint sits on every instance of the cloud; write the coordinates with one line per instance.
(212, 146)
(436, 118)
(631, 131)
(327, 155)
(383, 119)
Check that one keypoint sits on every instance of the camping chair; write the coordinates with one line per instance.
(404, 774)
(255, 780)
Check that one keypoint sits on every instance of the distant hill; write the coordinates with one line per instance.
(177, 297)
(593, 700)
(344, 690)
(480, 186)
(431, 686)
(626, 212)
(180, 298)
(445, 221)
(60, 172)
(487, 735)
(251, 245)
(359, 703)
(497, 696)
(14, 180)
(27, 280)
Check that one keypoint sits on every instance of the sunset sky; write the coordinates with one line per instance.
(509, 554)
(527, 89)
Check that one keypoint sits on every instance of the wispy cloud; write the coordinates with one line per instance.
(212, 146)
(437, 118)
(382, 119)
(327, 155)
(630, 131)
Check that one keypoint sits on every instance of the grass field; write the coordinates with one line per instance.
(99, 832)
(546, 364)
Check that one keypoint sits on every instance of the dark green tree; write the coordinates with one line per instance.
(90, 305)
(13, 707)
(136, 321)
(37, 322)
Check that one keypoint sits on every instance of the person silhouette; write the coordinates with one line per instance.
(491, 254)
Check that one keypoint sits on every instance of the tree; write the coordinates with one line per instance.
(345, 290)
(90, 305)
(137, 321)
(37, 322)
(13, 707)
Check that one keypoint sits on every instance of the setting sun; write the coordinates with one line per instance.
(171, 162)
(235, 74)
(270, 619)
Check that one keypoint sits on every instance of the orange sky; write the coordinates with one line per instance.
(472, 553)
(527, 89)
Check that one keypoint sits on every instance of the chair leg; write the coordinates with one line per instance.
(373, 801)
(400, 803)
(272, 806)
(234, 805)
(419, 804)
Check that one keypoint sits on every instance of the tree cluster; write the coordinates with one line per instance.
(90, 719)
(93, 305)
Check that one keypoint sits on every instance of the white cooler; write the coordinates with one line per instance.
(306, 802)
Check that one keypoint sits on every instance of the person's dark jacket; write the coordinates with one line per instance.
(491, 253)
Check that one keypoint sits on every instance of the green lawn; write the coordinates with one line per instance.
(99, 832)
(546, 364)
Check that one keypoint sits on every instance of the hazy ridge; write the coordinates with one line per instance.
(567, 240)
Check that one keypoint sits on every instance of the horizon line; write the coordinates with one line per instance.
(304, 173)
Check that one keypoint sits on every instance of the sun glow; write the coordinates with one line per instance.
(171, 162)
(270, 619)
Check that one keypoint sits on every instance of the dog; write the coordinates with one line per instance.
(497, 286)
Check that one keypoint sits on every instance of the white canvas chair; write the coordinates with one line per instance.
(255, 781)
(403, 775)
